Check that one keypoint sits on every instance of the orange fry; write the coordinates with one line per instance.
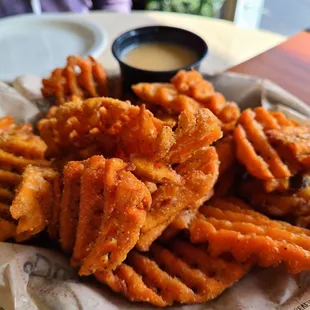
(83, 78)
(22, 144)
(126, 202)
(183, 219)
(34, 201)
(257, 154)
(166, 96)
(139, 135)
(188, 82)
(70, 204)
(91, 208)
(294, 141)
(192, 84)
(194, 132)
(245, 233)
(225, 149)
(92, 123)
(156, 172)
(199, 175)
(183, 273)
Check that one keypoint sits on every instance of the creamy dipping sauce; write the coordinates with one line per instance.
(159, 56)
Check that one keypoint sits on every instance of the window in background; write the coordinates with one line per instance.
(210, 8)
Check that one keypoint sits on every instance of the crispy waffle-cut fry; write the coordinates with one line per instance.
(70, 204)
(80, 77)
(195, 86)
(181, 273)
(34, 201)
(166, 96)
(282, 120)
(293, 140)
(199, 174)
(54, 221)
(22, 144)
(157, 172)
(225, 149)
(262, 160)
(245, 233)
(91, 208)
(188, 82)
(183, 219)
(80, 125)
(127, 201)
(194, 132)
(19, 163)
(293, 202)
(139, 135)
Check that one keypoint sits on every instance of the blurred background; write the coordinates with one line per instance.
(285, 17)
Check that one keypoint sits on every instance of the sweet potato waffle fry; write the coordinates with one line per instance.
(182, 273)
(170, 163)
(192, 84)
(36, 199)
(293, 140)
(89, 124)
(82, 78)
(294, 202)
(19, 147)
(105, 205)
(231, 228)
(183, 219)
(166, 96)
(194, 132)
(70, 204)
(257, 154)
(144, 134)
(125, 206)
(199, 174)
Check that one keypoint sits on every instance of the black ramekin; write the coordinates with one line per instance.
(132, 75)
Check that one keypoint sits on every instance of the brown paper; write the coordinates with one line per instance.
(35, 278)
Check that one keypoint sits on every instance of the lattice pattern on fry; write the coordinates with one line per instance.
(19, 147)
(102, 211)
(91, 125)
(257, 154)
(182, 273)
(183, 219)
(192, 84)
(37, 198)
(293, 202)
(231, 228)
(166, 96)
(194, 131)
(294, 141)
(199, 174)
(82, 78)
(226, 152)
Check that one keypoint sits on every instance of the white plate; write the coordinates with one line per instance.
(36, 44)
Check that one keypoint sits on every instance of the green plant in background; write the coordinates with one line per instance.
(208, 8)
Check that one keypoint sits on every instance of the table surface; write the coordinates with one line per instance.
(229, 45)
(287, 64)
